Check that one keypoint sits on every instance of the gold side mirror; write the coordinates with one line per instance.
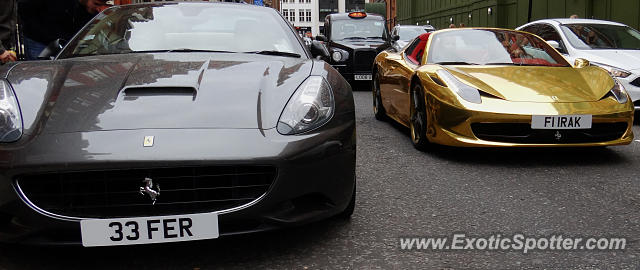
(581, 62)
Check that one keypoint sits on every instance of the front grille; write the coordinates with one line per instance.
(522, 133)
(636, 82)
(115, 193)
(363, 61)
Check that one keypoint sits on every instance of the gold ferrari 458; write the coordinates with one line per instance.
(498, 87)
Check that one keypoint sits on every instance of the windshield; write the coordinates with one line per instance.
(492, 47)
(602, 36)
(357, 29)
(185, 27)
(409, 33)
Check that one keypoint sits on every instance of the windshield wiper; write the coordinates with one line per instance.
(150, 51)
(355, 38)
(277, 53)
(455, 63)
(179, 50)
(376, 37)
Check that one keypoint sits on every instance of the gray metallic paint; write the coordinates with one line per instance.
(77, 117)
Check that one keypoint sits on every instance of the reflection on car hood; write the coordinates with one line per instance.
(162, 90)
(625, 59)
(537, 84)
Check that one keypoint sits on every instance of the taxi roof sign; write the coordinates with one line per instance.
(357, 15)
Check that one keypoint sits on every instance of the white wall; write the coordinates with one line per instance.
(314, 6)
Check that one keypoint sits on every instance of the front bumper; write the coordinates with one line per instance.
(315, 173)
(452, 124)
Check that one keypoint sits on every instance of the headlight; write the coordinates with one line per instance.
(339, 55)
(10, 119)
(463, 90)
(336, 56)
(619, 93)
(310, 107)
(614, 71)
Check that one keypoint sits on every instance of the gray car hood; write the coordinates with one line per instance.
(156, 91)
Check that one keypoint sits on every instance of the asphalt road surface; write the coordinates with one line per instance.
(404, 192)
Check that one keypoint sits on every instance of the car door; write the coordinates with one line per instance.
(410, 60)
(394, 71)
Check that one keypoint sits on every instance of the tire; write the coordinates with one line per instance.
(378, 108)
(418, 119)
(347, 212)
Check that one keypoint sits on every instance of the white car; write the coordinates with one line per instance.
(610, 45)
(401, 35)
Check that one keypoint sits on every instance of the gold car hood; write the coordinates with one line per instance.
(537, 84)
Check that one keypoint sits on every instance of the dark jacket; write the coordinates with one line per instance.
(47, 20)
(7, 24)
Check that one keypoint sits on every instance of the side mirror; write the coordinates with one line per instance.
(52, 49)
(321, 38)
(554, 44)
(581, 62)
(395, 38)
(319, 50)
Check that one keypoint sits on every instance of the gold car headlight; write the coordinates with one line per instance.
(619, 92)
(466, 92)
(10, 118)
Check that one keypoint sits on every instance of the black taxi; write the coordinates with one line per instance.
(353, 40)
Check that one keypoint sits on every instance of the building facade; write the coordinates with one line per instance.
(512, 13)
(308, 15)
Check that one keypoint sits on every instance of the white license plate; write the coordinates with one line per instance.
(561, 121)
(147, 230)
(361, 77)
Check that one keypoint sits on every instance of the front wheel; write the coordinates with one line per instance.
(418, 119)
(378, 108)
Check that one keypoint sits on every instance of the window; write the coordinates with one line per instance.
(308, 15)
(301, 15)
(548, 33)
(354, 5)
(292, 13)
(327, 7)
(414, 58)
(308, 1)
(492, 46)
(602, 36)
(175, 27)
(350, 28)
(285, 14)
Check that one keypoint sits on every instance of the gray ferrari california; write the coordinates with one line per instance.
(174, 122)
